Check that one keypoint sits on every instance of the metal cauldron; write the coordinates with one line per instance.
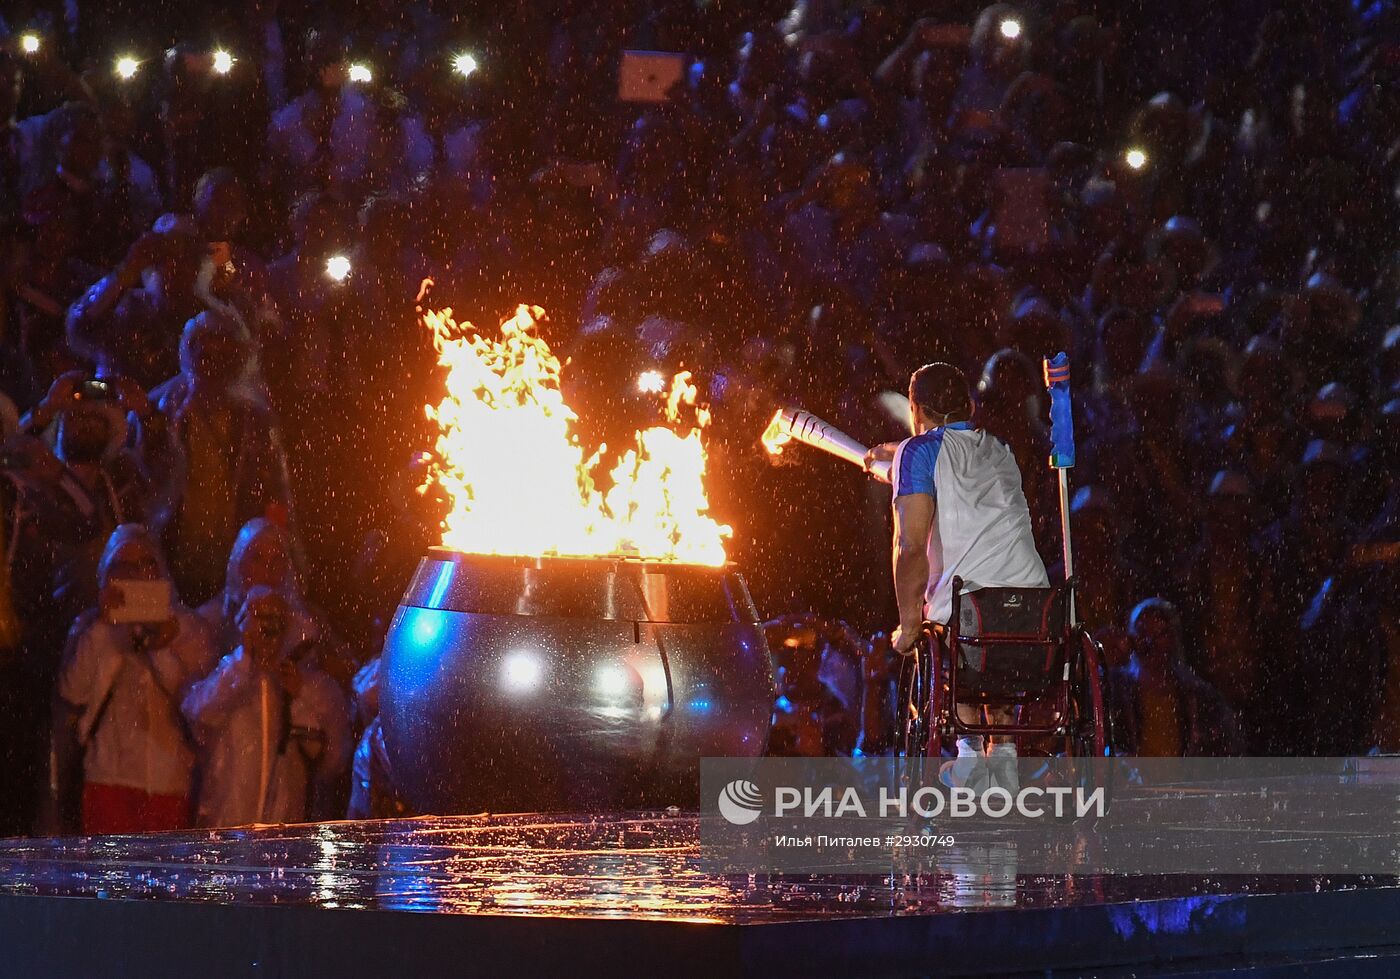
(519, 684)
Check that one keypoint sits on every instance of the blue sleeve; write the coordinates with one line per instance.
(914, 464)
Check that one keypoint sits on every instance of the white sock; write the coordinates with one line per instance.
(970, 768)
(970, 746)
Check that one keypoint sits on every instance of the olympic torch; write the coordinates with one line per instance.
(794, 424)
(1062, 450)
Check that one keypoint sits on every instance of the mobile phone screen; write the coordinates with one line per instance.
(142, 602)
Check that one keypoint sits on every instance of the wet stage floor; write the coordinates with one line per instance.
(552, 882)
(638, 865)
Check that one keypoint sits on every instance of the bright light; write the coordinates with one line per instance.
(361, 73)
(1011, 28)
(223, 62)
(338, 267)
(1136, 159)
(127, 66)
(611, 682)
(522, 672)
(651, 382)
(29, 43)
(464, 64)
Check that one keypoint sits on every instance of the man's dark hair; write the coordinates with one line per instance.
(942, 391)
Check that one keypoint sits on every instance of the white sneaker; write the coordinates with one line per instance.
(1001, 767)
(966, 771)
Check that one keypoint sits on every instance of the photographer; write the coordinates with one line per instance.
(129, 321)
(274, 727)
(128, 665)
(94, 484)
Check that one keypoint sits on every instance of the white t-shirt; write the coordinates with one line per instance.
(982, 530)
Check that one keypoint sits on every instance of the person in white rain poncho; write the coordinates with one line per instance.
(261, 555)
(274, 728)
(119, 694)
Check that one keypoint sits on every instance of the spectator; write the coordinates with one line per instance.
(261, 557)
(318, 140)
(238, 275)
(810, 717)
(372, 794)
(1226, 612)
(45, 276)
(221, 453)
(96, 484)
(1161, 707)
(129, 321)
(119, 696)
(274, 729)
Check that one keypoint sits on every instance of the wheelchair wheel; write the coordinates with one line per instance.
(912, 736)
(1087, 720)
(921, 702)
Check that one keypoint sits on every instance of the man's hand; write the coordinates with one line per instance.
(260, 646)
(61, 392)
(152, 248)
(880, 453)
(261, 622)
(906, 637)
(131, 396)
(109, 600)
(164, 633)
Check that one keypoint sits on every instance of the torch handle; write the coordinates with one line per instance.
(807, 428)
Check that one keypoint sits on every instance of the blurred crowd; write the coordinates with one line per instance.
(214, 224)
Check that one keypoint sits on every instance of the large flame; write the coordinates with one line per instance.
(516, 475)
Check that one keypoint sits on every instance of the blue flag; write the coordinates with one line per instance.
(1061, 418)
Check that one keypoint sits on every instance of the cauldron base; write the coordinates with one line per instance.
(532, 684)
(622, 894)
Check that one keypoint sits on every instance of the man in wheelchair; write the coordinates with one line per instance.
(959, 512)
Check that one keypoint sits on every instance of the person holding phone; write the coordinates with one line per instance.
(274, 727)
(128, 322)
(128, 665)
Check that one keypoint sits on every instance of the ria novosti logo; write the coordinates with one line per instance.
(740, 802)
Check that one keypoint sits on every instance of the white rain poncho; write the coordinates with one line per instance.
(129, 701)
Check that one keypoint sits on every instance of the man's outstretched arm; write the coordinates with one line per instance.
(913, 523)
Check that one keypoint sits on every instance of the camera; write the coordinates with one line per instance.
(94, 390)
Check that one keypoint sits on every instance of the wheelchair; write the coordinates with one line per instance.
(1013, 649)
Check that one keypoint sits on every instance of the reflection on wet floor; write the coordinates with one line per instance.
(635, 865)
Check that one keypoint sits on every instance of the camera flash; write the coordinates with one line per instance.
(1136, 158)
(1011, 28)
(338, 268)
(29, 43)
(223, 62)
(464, 65)
(127, 67)
(651, 382)
(360, 73)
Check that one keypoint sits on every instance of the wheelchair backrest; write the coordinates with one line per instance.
(1009, 640)
(1023, 613)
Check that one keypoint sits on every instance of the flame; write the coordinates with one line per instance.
(776, 436)
(517, 478)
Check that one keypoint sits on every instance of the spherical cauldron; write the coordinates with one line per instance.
(528, 684)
